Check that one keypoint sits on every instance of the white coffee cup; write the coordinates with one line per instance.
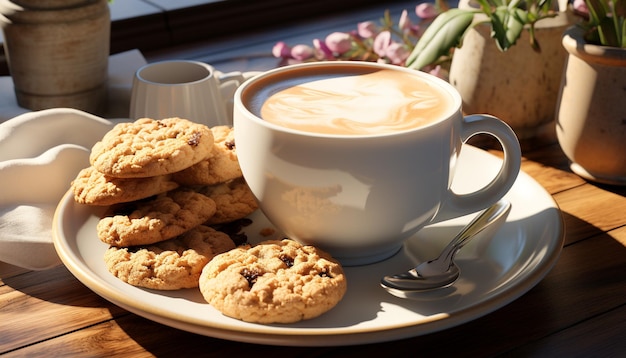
(360, 196)
(186, 89)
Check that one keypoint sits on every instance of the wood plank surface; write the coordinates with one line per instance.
(40, 305)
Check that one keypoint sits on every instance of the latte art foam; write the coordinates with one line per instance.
(382, 101)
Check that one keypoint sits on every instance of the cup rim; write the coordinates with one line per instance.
(444, 85)
(155, 66)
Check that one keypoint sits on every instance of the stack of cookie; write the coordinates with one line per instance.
(164, 182)
(167, 184)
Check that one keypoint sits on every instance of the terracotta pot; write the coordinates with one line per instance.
(58, 53)
(591, 115)
(519, 86)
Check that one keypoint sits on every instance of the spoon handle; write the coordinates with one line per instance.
(478, 224)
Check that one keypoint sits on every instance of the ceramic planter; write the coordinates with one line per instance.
(519, 86)
(58, 53)
(591, 114)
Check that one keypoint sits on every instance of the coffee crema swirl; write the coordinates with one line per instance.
(382, 101)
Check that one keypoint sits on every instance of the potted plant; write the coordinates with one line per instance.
(57, 51)
(591, 115)
(518, 84)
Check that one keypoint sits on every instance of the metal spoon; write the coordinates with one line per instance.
(442, 271)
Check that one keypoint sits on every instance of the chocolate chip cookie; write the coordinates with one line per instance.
(94, 188)
(168, 265)
(155, 219)
(149, 147)
(273, 282)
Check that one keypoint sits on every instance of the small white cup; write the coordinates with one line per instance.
(359, 197)
(186, 89)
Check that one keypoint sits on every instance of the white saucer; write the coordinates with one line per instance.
(494, 272)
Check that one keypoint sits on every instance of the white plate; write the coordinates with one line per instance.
(494, 271)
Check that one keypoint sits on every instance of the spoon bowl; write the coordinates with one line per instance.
(442, 272)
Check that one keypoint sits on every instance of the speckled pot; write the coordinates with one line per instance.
(519, 86)
(58, 53)
(591, 115)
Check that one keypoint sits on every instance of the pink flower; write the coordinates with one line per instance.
(389, 50)
(322, 52)
(302, 52)
(407, 26)
(397, 53)
(426, 11)
(580, 6)
(418, 30)
(381, 42)
(405, 23)
(339, 42)
(385, 42)
(437, 71)
(281, 50)
(367, 29)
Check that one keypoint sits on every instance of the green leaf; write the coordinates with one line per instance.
(544, 4)
(443, 34)
(608, 33)
(619, 7)
(597, 11)
(624, 34)
(507, 25)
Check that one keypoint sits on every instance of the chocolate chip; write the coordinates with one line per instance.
(195, 139)
(250, 276)
(286, 259)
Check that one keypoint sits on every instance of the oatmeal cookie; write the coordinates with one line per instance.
(168, 265)
(234, 200)
(155, 219)
(221, 166)
(94, 188)
(149, 147)
(273, 282)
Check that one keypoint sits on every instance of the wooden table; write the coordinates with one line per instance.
(578, 309)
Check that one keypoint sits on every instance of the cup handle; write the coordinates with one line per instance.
(230, 76)
(228, 84)
(457, 205)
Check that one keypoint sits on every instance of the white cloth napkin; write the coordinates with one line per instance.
(40, 154)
